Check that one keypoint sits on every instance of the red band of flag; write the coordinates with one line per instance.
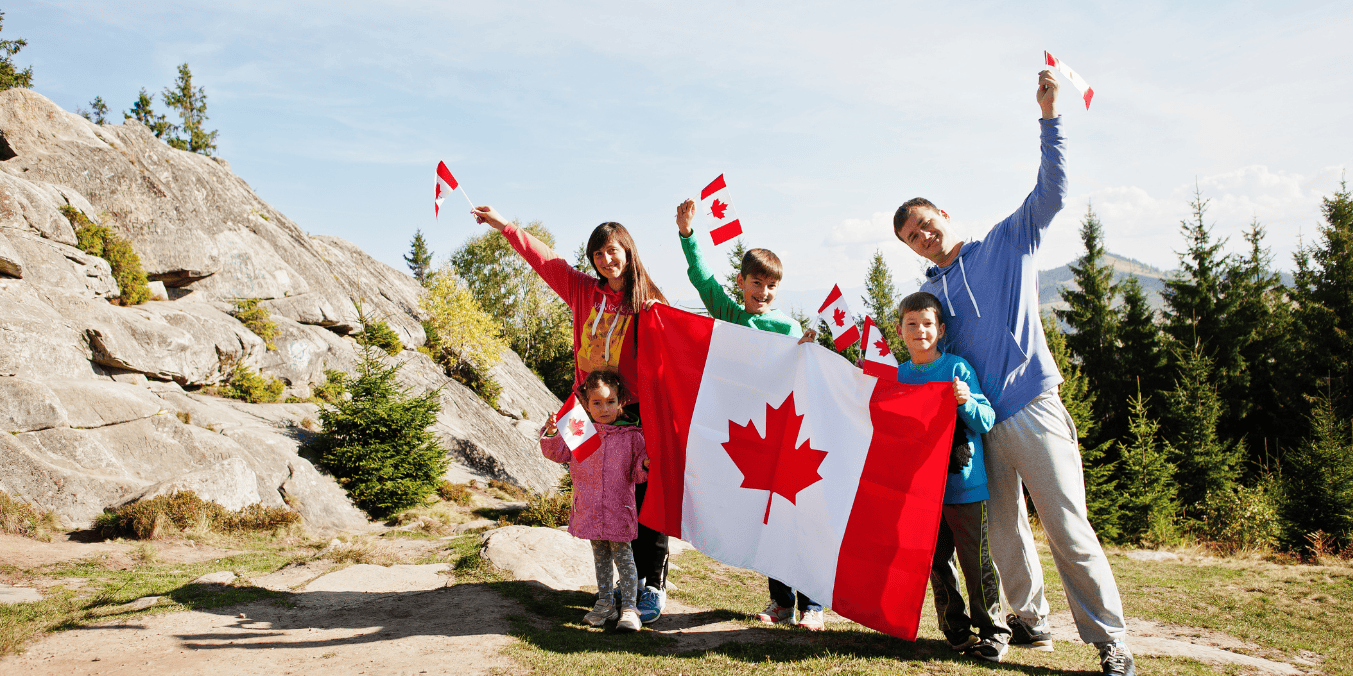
(726, 232)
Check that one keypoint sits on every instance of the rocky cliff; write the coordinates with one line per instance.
(101, 400)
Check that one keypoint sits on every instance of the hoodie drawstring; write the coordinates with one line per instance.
(944, 279)
(969, 288)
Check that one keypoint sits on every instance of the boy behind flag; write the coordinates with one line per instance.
(759, 279)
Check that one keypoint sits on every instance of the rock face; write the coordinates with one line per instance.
(101, 399)
(546, 555)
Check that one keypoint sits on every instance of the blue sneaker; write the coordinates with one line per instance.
(651, 603)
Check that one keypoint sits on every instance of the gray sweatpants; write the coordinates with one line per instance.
(1036, 449)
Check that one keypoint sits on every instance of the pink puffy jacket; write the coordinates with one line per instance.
(603, 484)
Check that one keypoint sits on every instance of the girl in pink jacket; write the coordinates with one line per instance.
(603, 495)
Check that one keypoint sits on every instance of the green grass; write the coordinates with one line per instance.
(108, 588)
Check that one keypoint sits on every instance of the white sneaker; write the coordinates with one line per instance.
(629, 620)
(775, 614)
(812, 620)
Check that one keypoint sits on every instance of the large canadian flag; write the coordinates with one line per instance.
(788, 460)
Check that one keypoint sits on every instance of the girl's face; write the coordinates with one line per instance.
(610, 260)
(603, 404)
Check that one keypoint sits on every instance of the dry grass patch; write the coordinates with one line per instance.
(185, 513)
(21, 518)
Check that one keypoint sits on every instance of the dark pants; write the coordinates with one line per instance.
(963, 535)
(784, 595)
(650, 548)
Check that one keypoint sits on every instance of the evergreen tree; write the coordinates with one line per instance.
(730, 284)
(1146, 478)
(1201, 309)
(1322, 296)
(1206, 462)
(580, 262)
(880, 302)
(141, 112)
(191, 105)
(97, 113)
(1094, 326)
(1318, 495)
(1141, 361)
(376, 440)
(419, 258)
(1102, 498)
(1261, 414)
(9, 76)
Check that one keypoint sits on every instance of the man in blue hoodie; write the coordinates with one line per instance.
(989, 289)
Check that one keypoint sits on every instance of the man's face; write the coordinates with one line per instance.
(757, 293)
(927, 232)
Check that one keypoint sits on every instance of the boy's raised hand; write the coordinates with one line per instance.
(961, 391)
(488, 215)
(808, 336)
(685, 212)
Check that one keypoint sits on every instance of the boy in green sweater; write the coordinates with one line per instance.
(759, 280)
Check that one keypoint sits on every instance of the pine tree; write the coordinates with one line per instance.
(1141, 361)
(1322, 296)
(880, 302)
(191, 105)
(1260, 416)
(376, 441)
(1146, 480)
(1318, 495)
(141, 112)
(9, 76)
(1094, 325)
(97, 113)
(419, 258)
(730, 284)
(1206, 462)
(1102, 498)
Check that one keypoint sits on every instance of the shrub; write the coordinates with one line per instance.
(185, 511)
(456, 493)
(376, 440)
(257, 318)
(512, 491)
(332, 390)
(249, 386)
(97, 240)
(461, 336)
(551, 510)
(21, 518)
(1240, 518)
(379, 334)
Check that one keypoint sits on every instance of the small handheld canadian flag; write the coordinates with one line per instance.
(876, 360)
(714, 201)
(1086, 92)
(445, 184)
(577, 430)
(836, 313)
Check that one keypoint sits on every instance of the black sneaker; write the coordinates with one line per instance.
(1024, 636)
(990, 650)
(1116, 660)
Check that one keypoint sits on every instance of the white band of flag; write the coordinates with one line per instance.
(1086, 92)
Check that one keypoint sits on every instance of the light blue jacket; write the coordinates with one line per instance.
(977, 416)
(990, 292)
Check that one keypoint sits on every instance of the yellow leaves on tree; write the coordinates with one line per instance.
(462, 327)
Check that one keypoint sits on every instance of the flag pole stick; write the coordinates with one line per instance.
(467, 198)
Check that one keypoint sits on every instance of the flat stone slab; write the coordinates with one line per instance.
(1163, 640)
(291, 577)
(546, 555)
(372, 579)
(10, 594)
(1151, 555)
(219, 577)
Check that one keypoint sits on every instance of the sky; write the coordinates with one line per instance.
(823, 118)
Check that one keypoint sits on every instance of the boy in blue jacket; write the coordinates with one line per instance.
(963, 527)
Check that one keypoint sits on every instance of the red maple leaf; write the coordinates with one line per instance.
(718, 208)
(839, 316)
(575, 427)
(882, 346)
(772, 463)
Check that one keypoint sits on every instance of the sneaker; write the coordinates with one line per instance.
(961, 642)
(775, 614)
(651, 604)
(629, 620)
(1116, 660)
(603, 611)
(1024, 636)
(812, 620)
(989, 649)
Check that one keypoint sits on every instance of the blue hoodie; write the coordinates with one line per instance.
(990, 293)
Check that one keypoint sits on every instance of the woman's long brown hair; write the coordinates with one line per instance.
(637, 288)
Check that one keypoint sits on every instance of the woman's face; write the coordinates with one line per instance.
(610, 260)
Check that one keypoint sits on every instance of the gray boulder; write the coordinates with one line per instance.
(26, 406)
(546, 555)
(11, 264)
(229, 483)
(98, 403)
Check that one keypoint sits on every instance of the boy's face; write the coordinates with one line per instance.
(757, 292)
(921, 331)
(603, 404)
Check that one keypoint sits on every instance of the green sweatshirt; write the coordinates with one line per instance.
(718, 303)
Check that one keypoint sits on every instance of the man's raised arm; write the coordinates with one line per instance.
(1025, 227)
